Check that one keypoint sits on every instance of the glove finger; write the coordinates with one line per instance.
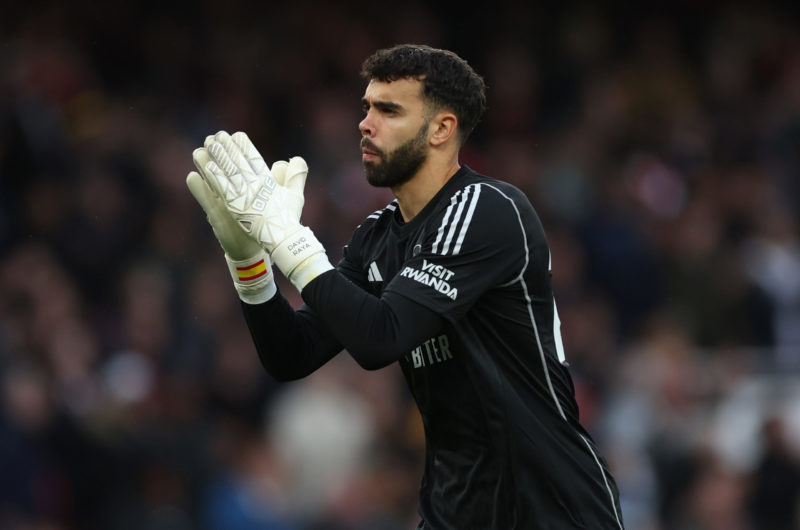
(296, 174)
(241, 164)
(219, 155)
(225, 189)
(231, 149)
(201, 162)
(209, 140)
(241, 183)
(278, 171)
(217, 147)
(250, 152)
(203, 194)
(221, 137)
(229, 156)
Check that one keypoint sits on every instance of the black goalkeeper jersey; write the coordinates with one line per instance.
(504, 446)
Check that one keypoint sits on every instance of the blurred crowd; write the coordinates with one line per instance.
(660, 148)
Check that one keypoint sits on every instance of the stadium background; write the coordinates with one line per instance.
(661, 147)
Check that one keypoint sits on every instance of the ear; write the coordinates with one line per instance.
(444, 126)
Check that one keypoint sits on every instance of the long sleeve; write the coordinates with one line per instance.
(376, 331)
(290, 344)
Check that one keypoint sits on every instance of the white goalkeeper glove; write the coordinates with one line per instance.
(248, 263)
(266, 205)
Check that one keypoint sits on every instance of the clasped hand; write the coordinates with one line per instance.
(248, 203)
(266, 203)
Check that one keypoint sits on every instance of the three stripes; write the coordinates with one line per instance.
(459, 201)
(466, 199)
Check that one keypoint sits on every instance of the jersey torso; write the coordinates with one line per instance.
(504, 447)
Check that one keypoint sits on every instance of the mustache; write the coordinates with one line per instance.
(366, 143)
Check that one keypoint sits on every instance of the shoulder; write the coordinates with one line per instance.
(481, 212)
(484, 200)
(367, 235)
(501, 193)
(378, 217)
(376, 223)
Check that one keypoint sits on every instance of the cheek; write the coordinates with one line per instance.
(397, 135)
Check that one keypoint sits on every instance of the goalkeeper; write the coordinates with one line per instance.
(451, 280)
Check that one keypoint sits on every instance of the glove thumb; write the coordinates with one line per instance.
(278, 171)
(296, 173)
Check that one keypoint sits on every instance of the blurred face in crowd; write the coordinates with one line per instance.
(394, 132)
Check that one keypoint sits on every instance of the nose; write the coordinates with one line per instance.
(366, 126)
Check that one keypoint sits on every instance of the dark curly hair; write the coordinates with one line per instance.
(448, 82)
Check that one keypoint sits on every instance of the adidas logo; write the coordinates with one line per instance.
(374, 275)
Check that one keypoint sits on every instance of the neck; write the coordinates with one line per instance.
(414, 194)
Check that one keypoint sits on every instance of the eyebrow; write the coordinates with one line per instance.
(382, 106)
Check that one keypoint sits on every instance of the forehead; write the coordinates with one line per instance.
(406, 92)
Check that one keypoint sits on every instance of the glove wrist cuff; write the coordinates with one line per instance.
(301, 257)
(252, 278)
(308, 270)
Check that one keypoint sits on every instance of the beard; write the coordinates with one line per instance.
(398, 166)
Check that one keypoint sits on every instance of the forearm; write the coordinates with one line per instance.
(375, 331)
(290, 344)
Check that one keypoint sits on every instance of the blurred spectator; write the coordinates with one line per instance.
(321, 431)
(775, 489)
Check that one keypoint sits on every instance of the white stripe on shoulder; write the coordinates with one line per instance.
(392, 206)
(467, 220)
(445, 219)
(456, 218)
